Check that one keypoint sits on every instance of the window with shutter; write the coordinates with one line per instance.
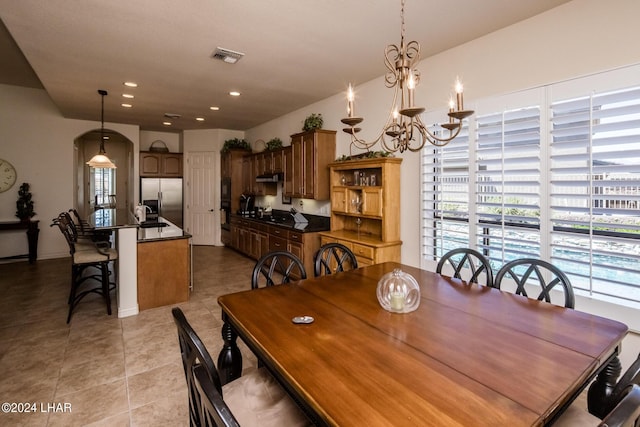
(551, 173)
(445, 196)
(595, 192)
(508, 184)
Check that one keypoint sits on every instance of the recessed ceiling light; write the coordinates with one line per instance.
(234, 93)
(127, 105)
(166, 123)
(130, 84)
(214, 108)
(200, 119)
(127, 95)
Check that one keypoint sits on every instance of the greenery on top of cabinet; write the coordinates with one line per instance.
(236, 143)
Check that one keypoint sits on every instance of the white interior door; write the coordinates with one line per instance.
(203, 217)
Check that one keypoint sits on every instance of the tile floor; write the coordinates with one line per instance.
(111, 371)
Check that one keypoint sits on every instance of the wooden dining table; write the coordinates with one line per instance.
(469, 355)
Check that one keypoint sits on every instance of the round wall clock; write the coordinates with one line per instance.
(8, 175)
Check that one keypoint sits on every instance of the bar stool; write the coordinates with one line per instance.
(86, 254)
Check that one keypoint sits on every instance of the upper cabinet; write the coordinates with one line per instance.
(231, 170)
(306, 171)
(154, 164)
(365, 208)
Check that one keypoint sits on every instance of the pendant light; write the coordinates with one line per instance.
(101, 160)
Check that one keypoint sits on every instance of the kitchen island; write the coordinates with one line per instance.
(164, 264)
(130, 269)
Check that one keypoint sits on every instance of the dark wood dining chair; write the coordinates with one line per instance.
(624, 413)
(469, 265)
(630, 377)
(277, 267)
(213, 410)
(538, 276)
(254, 399)
(627, 412)
(333, 258)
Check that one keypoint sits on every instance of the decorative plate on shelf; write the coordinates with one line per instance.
(259, 145)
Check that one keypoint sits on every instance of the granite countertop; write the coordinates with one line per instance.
(158, 232)
(283, 219)
(111, 219)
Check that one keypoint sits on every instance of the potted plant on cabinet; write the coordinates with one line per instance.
(236, 143)
(274, 144)
(312, 122)
(24, 205)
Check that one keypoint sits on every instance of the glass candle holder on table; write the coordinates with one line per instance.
(398, 292)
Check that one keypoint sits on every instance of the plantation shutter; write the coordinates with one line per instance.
(595, 191)
(445, 196)
(508, 184)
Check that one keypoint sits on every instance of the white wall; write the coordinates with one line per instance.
(38, 141)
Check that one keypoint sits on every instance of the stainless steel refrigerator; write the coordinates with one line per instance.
(167, 192)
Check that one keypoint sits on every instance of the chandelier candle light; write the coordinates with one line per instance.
(404, 129)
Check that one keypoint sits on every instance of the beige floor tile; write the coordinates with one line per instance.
(87, 348)
(100, 368)
(31, 419)
(156, 384)
(92, 404)
(168, 411)
(120, 420)
(30, 386)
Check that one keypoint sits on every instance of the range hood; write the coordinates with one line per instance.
(269, 177)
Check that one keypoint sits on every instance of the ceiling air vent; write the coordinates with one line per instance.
(226, 55)
(172, 116)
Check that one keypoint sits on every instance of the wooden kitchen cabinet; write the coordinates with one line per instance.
(277, 161)
(365, 208)
(256, 238)
(231, 171)
(259, 164)
(247, 174)
(164, 165)
(287, 161)
(307, 169)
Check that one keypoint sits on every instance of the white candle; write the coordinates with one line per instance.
(411, 85)
(397, 301)
(395, 116)
(452, 106)
(350, 101)
(459, 94)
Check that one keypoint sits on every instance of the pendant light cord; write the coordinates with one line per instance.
(102, 94)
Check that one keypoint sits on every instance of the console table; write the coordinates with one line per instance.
(32, 236)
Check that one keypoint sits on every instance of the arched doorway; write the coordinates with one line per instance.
(96, 185)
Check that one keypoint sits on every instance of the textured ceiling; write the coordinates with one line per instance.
(296, 51)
